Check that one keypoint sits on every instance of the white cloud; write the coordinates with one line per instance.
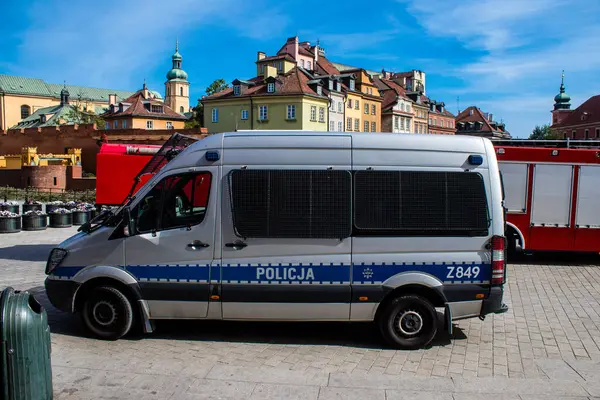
(118, 43)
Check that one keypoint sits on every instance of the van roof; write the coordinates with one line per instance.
(360, 140)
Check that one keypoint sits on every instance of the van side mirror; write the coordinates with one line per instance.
(128, 222)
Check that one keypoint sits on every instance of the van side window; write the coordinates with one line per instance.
(420, 203)
(176, 201)
(291, 203)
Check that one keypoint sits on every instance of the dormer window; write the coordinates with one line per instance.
(308, 65)
(338, 86)
(270, 87)
(120, 107)
(236, 90)
(156, 108)
(319, 90)
(352, 84)
(330, 85)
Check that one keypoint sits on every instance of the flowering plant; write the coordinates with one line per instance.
(70, 203)
(32, 213)
(60, 211)
(9, 203)
(37, 203)
(8, 214)
(85, 207)
(56, 203)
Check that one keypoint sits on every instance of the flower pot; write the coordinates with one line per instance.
(10, 224)
(31, 207)
(61, 220)
(52, 207)
(35, 222)
(80, 217)
(11, 208)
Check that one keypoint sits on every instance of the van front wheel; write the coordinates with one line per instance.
(408, 322)
(107, 313)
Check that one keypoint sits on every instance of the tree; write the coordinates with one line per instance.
(217, 86)
(542, 133)
(197, 117)
(78, 115)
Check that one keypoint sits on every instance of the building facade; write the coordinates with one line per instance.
(20, 97)
(580, 123)
(288, 101)
(396, 109)
(441, 121)
(474, 122)
(142, 110)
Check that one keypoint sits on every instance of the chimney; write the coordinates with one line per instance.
(112, 99)
(260, 56)
(270, 71)
(491, 118)
(295, 48)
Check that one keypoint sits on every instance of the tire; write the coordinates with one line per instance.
(107, 313)
(419, 322)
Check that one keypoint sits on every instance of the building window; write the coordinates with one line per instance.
(565, 135)
(349, 124)
(587, 134)
(262, 68)
(373, 126)
(169, 125)
(366, 108)
(124, 124)
(471, 112)
(332, 105)
(149, 124)
(597, 132)
(574, 134)
(430, 121)
(331, 126)
(313, 113)
(25, 111)
(302, 63)
(236, 90)
(408, 108)
(321, 114)
(352, 84)
(263, 113)
(181, 109)
(291, 111)
(115, 124)
(340, 105)
(357, 105)
(338, 86)
(55, 181)
(215, 115)
(280, 66)
(156, 108)
(244, 114)
(402, 124)
(357, 125)
(366, 127)
(270, 87)
(349, 103)
(340, 126)
(373, 109)
(396, 125)
(401, 106)
(330, 84)
(181, 91)
(308, 65)
(319, 90)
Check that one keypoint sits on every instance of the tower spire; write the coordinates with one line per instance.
(176, 45)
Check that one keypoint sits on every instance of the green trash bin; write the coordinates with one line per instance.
(25, 366)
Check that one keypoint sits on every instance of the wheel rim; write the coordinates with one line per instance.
(408, 323)
(104, 313)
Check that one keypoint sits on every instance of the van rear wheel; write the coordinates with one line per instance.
(408, 322)
(107, 313)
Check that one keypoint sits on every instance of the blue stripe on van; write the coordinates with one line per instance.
(364, 274)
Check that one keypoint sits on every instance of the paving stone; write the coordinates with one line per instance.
(336, 393)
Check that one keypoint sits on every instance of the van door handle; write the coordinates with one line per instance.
(197, 245)
(238, 245)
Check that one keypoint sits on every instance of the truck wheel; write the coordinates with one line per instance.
(408, 322)
(107, 313)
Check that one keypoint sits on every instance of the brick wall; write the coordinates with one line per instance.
(47, 177)
(567, 132)
(10, 177)
(58, 139)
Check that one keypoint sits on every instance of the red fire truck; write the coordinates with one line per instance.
(552, 194)
(122, 169)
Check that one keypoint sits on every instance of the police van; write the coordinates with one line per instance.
(303, 226)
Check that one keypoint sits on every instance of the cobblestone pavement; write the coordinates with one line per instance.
(547, 344)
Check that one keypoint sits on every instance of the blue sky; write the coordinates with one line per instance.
(504, 56)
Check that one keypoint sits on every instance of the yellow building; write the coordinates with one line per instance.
(142, 110)
(271, 101)
(30, 157)
(21, 97)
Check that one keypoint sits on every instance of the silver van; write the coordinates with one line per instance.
(297, 226)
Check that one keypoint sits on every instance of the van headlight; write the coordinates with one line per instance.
(56, 257)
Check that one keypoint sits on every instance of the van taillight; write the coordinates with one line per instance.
(498, 262)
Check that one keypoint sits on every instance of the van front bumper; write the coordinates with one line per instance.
(60, 293)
